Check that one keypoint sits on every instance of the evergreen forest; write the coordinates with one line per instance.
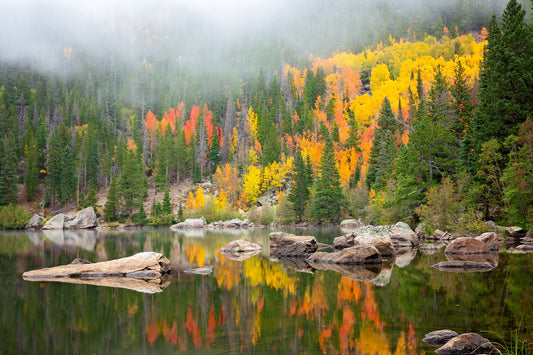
(426, 118)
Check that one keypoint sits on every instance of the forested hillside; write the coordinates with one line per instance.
(426, 118)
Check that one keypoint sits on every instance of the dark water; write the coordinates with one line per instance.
(255, 306)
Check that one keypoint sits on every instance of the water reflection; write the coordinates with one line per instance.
(261, 304)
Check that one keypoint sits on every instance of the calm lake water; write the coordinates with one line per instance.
(259, 305)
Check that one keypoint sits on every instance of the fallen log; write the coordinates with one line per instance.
(140, 272)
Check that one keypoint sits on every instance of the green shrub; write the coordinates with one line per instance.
(14, 217)
(165, 220)
(262, 215)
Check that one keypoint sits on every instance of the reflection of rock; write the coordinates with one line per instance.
(239, 256)
(468, 343)
(35, 222)
(56, 222)
(464, 266)
(490, 239)
(404, 256)
(431, 248)
(199, 271)
(466, 245)
(191, 223)
(140, 285)
(84, 219)
(297, 264)
(524, 248)
(355, 272)
(192, 233)
(439, 337)
(85, 239)
(359, 254)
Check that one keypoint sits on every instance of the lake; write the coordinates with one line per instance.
(260, 305)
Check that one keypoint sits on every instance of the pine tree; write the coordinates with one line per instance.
(299, 194)
(329, 198)
(132, 182)
(32, 170)
(111, 206)
(61, 175)
(167, 207)
(214, 151)
(8, 171)
(506, 79)
(140, 217)
(384, 149)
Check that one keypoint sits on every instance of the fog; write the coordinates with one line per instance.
(204, 33)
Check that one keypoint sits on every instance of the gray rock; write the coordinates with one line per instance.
(403, 236)
(240, 246)
(191, 223)
(370, 235)
(84, 219)
(439, 337)
(233, 223)
(359, 254)
(431, 248)
(351, 223)
(514, 232)
(524, 248)
(281, 239)
(490, 239)
(299, 249)
(344, 241)
(35, 222)
(385, 248)
(56, 222)
(438, 234)
(468, 343)
(466, 245)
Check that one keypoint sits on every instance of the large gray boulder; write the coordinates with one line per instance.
(403, 236)
(56, 222)
(84, 219)
(370, 235)
(281, 239)
(359, 254)
(468, 343)
(299, 249)
(35, 222)
(466, 245)
(191, 223)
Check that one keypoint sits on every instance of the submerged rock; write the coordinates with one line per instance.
(439, 337)
(468, 343)
(199, 271)
(359, 254)
(464, 266)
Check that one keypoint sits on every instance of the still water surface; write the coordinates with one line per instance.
(260, 305)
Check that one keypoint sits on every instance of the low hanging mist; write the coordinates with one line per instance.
(232, 36)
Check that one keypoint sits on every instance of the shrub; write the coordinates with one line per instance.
(14, 217)
(262, 215)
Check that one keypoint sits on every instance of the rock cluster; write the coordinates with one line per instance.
(452, 343)
(84, 219)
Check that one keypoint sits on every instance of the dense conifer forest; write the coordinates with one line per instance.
(426, 118)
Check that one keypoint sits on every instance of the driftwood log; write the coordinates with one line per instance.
(142, 272)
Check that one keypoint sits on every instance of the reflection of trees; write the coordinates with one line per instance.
(251, 306)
